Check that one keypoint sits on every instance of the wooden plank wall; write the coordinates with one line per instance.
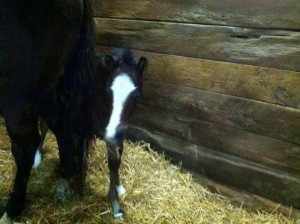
(222, 91)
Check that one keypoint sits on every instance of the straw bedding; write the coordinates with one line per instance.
(157, 191)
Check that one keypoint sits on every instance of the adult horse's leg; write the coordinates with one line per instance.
(72, 156)
(43, 130)
(51, 118)
(74, 91)
(22, 126)
(115, 150)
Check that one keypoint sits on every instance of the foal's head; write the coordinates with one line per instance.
(124, 89)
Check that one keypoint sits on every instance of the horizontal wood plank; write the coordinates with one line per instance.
(248, 200)
(284, 14)
(267, 48)
(264, 150)
(251, 82)
(253, 116)
(252, 177)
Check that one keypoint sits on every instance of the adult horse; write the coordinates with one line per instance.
(47, 70)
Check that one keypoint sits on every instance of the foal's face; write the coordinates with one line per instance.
(125, 88)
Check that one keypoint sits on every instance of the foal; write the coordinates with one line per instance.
(124, 87)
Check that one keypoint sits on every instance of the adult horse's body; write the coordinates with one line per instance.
(46, 70)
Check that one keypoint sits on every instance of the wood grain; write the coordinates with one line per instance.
(264, 150)
(252, 177)
(246, 199)
(252, 116)
(246, 81)
(267, 48)
(221, 93)
(284, 14)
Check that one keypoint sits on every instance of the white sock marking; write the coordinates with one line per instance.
(37, 158)
(119, 215)
(5, 219)
(121, 87)
(121, 190)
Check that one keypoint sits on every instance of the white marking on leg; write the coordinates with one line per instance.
(121, 87)
(117, 210)
(37, 158)
(121, 190)
(119, 215)
(5, 219)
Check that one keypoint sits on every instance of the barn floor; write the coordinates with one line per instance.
(157, 192)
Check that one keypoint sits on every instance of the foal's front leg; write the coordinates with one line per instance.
(115, 151)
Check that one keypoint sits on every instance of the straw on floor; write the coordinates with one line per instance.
(157, 191)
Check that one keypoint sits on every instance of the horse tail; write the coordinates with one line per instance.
(78, 78)
(79, 71)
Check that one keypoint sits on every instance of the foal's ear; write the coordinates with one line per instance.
(109, 62)
(142, 64)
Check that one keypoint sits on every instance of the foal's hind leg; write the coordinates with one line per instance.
(115, 151)
(23, 131)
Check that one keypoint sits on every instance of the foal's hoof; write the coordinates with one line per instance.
(119, 214)
(117, 210)
(5, 219)
(63, 190)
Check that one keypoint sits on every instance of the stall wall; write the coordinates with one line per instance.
(222, 90)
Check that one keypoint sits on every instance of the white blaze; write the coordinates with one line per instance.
(121, 88)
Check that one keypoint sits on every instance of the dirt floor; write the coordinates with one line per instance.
(157, 191)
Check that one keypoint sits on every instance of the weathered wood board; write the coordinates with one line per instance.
(253, 116)
(247, 199)
(267, 48)
(272, 184)
(252, 82)
(280, 14)
(264, 150)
